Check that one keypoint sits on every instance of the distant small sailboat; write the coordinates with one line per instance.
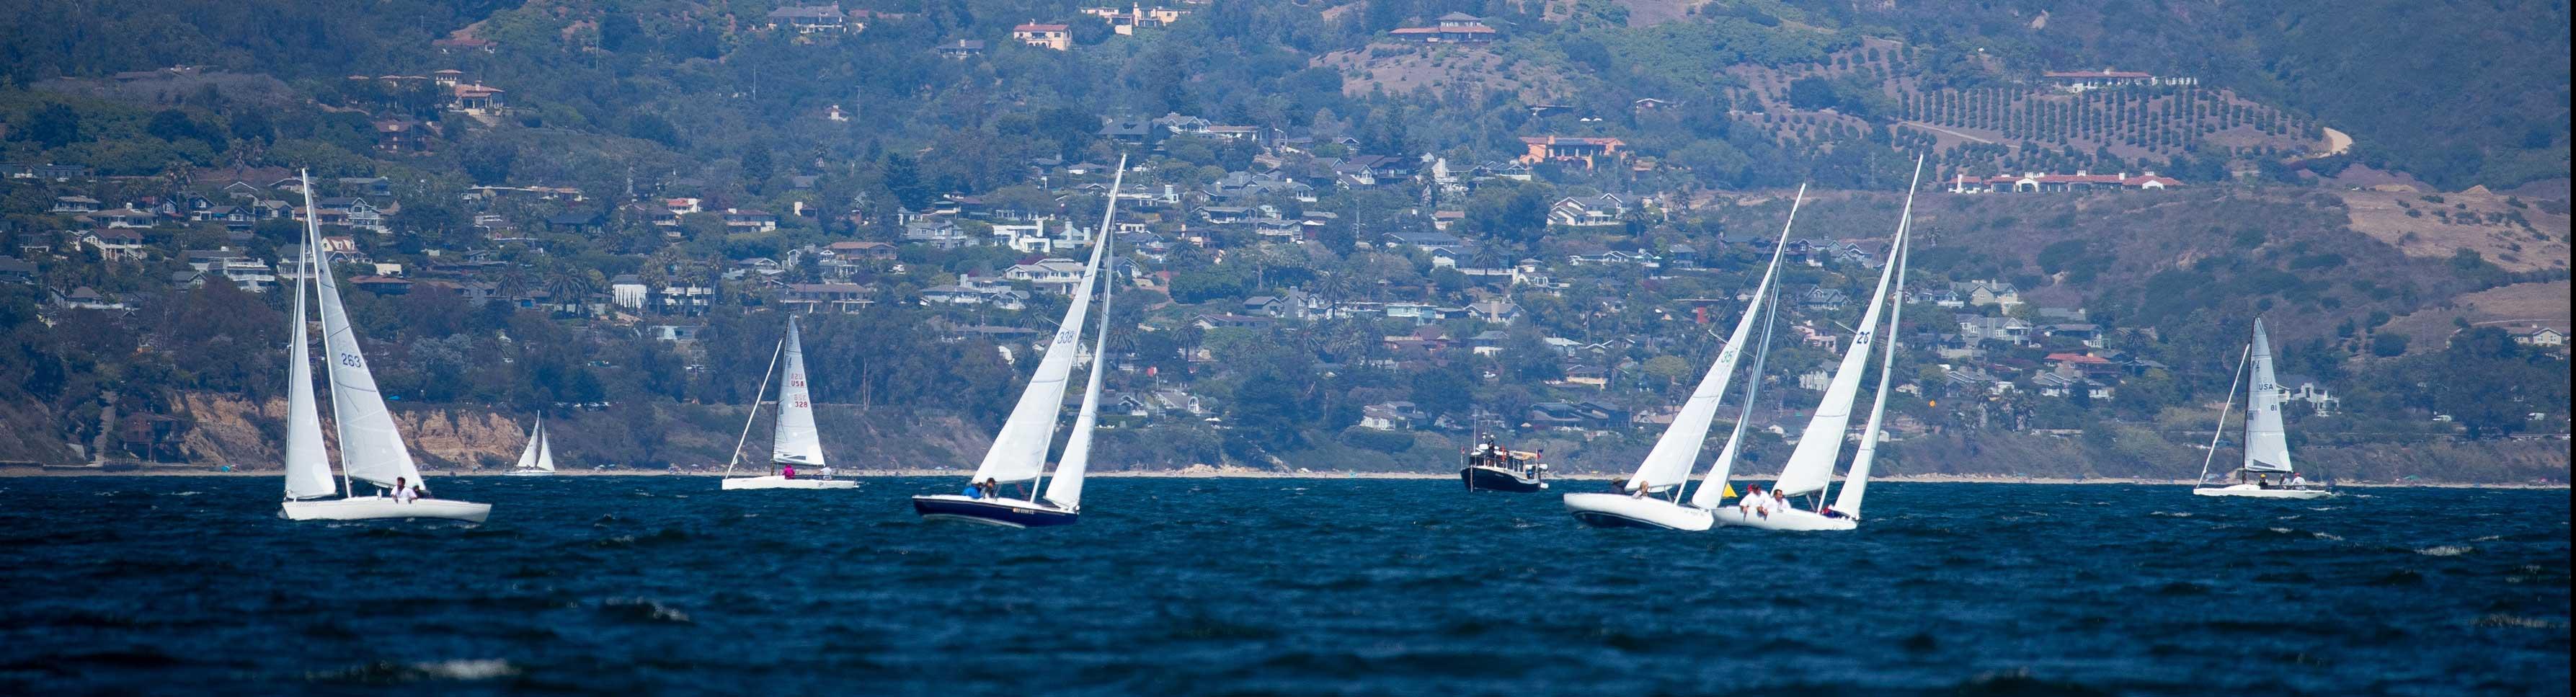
(1019, 452)
(1651, 497)
(794, 441)
(371, 446)
(2267, 441)
(538, 460)
(1492, 467)
(1810, 468)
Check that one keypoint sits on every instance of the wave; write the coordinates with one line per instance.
(387, 672)
(643, 610)
(2446, 550)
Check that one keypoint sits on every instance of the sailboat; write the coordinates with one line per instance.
(794, 441)
(538, 459)
(1652, 496)
(371, 447)
(2267, 441)
(1810, 466)
(1019, 452)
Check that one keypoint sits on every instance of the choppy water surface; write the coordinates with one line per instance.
(655, 585)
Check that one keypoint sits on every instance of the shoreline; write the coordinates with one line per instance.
(1232, 473)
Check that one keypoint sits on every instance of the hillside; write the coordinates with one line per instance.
(1350, 234)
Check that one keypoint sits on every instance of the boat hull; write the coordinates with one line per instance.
(1793, 520)
(1624, 511)
(384, 507)
(531, 473)
(1013, 513)
(777, 482)
(2253, 491)
(1482, 478)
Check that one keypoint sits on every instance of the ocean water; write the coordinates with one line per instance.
(664, 585)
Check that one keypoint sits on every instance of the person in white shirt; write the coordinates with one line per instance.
(403, 492)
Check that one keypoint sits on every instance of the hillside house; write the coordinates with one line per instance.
(1390, 416)
(1048, 36)
(1051, 275)
(2539, 336)
(810, 298)
(2076, 81)
(115, 245)
(749, 220)
(961, 49)
(628, 291)
(475, 98)
(2001, 294)
(939, 234)
(2078, 182)
(687, 299)
(1452, 28)
(813, 19)
(1592, 211)
(1126, 22)
(73, 205)
(1571, 149)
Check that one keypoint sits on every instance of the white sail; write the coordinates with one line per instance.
(1669, 463)
(1712, 489)
(545, 450)
(1811, 465)
(371, 447)
(2267, 443)
(308, 466)
(1019, 451)
(528, 455)
(1066, 490)
(795, 440)
(1856, 480)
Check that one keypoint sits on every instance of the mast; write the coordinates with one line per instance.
(1724, 468)
(1066, 491)
(322, 264)
(1669, 463)
(2214, 433)
(1811, 465)
(755, 407)
(1019, 450)
(1856, 481)
(308, 464)
(2267, 443)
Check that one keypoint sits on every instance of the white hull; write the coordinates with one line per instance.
(2253, 491)
(1788, 519)
(531, 473)
(382, 507)
(1622, 510)
(778, 482)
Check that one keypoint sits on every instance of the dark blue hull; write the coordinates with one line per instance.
(1488, 479)
(1021, 515)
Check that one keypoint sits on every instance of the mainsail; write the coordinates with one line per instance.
(1669, 463)
(545, 450)
(1714, 489)
(1811, 465)
(2267, 444)
(1856, 481)
(1066, 490)
(795, 441)
(528, 455)
(308, 467)
(371, 448)
(1019, 451)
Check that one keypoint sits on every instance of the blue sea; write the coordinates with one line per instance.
(664, 585)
